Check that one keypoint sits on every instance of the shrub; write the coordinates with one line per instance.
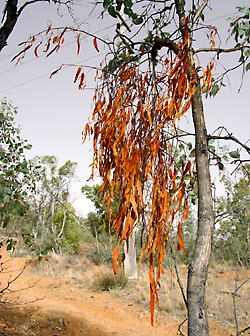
(106, 280)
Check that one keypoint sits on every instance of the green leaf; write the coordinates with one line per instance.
(133, 15)
(106, 3)
(190, 145)
(248, 67)
(221, 165)
(6, 199)
(212, 148)
(9, 191)
(181, 146)
(128, 4)
(234, 154)
(137, 21)
(223, 148)
(112, 11)
(211, 141)
(214, 90)
(247, 52)
(166, 34)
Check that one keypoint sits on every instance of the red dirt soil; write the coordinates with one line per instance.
(45, 307)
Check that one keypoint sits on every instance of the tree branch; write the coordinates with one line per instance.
(27, 3)
(198, 13)
(229, 136)
(220, 50)
(164, 42)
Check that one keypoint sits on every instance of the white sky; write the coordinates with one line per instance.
(52, 112)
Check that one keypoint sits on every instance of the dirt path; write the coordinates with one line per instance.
(49, 308)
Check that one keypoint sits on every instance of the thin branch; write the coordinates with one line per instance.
(226, 214)
(179, 328)
(27, 3)
(220, 50)
(234, 302)
(198, 13)
(243, 330)
(229, 137)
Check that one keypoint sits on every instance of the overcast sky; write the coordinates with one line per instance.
(52, 112)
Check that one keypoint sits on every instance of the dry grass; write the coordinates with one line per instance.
(79, 271)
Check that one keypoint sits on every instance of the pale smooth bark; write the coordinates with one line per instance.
(130, 264)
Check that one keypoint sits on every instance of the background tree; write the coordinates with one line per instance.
(232, 234)
(17, 174)
(93, 194)
(50, 224)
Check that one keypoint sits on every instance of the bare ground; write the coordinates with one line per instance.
(45, 306)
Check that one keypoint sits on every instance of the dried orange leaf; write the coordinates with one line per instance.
(81, 81)
(56, 71)
(141, 256)
(115, 256)
(181, 245)
(77, 74)
(138, 186)
(148, 112)
(36, 48)
(78, 44)
(95, 44)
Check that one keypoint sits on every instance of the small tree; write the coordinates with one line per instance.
(48, 223)
(17, 174)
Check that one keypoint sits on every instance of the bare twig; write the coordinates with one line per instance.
(234, 302)
(179, 328)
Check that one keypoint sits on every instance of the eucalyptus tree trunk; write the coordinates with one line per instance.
(198, 268)
(130, 264)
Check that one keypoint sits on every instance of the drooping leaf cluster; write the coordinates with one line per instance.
(132, 119)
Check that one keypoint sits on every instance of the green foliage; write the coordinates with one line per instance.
(48, 224)
(240, 30)
(114, 7)
(231, 237)
(96, 221)
(72, 233)
(17, 174)
(221, 155)
(189, 228)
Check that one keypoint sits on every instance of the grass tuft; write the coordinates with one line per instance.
(106, 280)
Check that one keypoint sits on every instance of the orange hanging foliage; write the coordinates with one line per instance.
(128, 128)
